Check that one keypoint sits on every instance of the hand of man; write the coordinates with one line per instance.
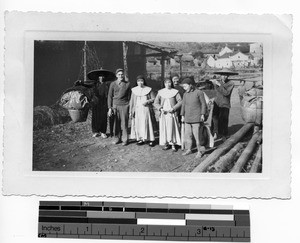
(215, 82)
(182, 119)
(202, 118)
(110, 112)
(131, 115)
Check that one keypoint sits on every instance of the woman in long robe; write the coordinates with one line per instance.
(168, 102)
(141, 113)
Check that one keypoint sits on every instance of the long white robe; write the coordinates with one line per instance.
(142, 124)
(169, 128)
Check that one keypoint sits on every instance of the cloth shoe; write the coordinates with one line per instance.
(199, 155)
(166, 147)
(116, 141)
(151, 144)
(95, 135)
(125, 143)
(103, 135)
(187, 152)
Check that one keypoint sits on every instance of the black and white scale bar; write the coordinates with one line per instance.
(143, 221)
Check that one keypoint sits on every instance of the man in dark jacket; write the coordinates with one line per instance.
(220, 115)
(118, 106)
(193, 110)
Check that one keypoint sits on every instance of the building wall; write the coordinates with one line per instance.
(223, 63)
(136, 62)
(256, 48)
(57, 65)
(211, 61)
(239, 57)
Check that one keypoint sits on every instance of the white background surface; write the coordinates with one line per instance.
(272, 220)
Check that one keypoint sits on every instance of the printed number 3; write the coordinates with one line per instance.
(198, 231)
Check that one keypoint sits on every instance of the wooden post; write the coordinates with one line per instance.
(224, 148)
(246, 154)
(225, 161)
(180, 66)
(162, 63)
(84, 61)
(257, 162)
(125, 49)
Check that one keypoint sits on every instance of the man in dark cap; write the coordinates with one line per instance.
(220, 114)
(118, 106)
(193, 110)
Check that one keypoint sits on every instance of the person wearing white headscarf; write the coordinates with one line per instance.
(141, 113)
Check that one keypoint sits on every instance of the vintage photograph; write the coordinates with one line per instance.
(144, 106)
(140, 105)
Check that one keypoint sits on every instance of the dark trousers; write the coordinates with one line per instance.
(121, 115)
(99, 118)
(220, 118)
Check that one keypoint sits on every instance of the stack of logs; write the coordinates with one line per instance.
(232, 156)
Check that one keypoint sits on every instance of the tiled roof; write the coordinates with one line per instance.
(226, 55)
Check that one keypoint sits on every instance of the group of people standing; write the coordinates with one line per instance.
(178, 105)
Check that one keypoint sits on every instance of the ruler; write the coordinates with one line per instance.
(143, 221)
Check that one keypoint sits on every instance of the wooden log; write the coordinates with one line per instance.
(259, 140)
(224, 148)
(257, 161)
(246, 154)
(224, 162)
(162, 63)
(125, 49)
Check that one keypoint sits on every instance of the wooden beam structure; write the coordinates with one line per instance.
(243, 159)
(257, 162)
(226, 161)
(224, 148)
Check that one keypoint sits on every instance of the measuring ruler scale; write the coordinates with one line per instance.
(143, 221)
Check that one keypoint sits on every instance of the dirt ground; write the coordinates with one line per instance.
(70, 147)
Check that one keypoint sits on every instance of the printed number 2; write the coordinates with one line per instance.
(142, 230)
